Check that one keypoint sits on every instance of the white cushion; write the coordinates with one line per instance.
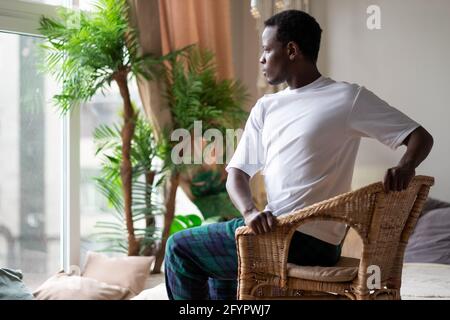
(345, 270)
(156, 293)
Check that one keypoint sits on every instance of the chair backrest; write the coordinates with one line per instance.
(384, 221)
(393, 220)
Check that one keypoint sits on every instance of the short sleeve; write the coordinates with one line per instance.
(249, 154)
(372, 117)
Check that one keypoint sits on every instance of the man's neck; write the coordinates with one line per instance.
(304, 78)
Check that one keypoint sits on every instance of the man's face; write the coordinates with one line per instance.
(274, 59)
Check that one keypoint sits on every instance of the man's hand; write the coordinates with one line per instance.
(260, 222)
(239, 191)
(398, 178)
(419, 143)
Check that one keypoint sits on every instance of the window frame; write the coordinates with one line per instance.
(22, 17)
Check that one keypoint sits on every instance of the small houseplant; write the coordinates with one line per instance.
(211, 196)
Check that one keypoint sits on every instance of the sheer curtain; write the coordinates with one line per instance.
(164, 26)
(145, 17)
(204, 22)
(167, 25)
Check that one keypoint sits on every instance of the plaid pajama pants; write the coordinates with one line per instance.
(201, 262)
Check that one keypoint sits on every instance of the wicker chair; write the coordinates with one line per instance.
(384, 221)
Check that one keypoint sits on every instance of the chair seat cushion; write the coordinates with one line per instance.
(345, 270)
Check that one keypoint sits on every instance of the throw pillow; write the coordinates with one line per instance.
(67, 287)
(12, 286)
(432, 204)
(156, 293)
(126, 272)
(430, 241)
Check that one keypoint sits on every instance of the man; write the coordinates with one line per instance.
(304, 139)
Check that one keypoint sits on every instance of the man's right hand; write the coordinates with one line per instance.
(260, 222)
(238, 187)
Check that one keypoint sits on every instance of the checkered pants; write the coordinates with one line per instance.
(201, 262)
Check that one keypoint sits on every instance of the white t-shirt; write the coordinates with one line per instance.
(305, 142)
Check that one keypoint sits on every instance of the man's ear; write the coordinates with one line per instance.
(293, 50)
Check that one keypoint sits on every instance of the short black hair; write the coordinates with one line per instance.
(300, 27)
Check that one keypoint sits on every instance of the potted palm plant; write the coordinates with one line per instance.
(87, 51)
(147, 178)
(194, 93)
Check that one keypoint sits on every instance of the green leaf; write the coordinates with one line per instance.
(180, 222)
(176, 226)
(194, 219)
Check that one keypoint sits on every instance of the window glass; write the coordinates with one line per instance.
(30, 168)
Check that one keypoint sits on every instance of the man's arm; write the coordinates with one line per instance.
(419, 144)
(238, 187)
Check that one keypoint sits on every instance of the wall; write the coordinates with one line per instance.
(405, 63)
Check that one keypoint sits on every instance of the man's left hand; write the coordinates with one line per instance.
(398, 178)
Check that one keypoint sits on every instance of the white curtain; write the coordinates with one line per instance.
(263, 10)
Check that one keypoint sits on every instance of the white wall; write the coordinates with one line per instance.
(405, 62)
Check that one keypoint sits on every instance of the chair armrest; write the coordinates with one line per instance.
(268, 252)
(261, 253)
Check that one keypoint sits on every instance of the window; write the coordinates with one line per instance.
(30, 171)
(49, 2)
(103, 109)
(49, 203)
(82, 4)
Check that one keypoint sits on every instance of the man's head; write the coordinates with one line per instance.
(290, 38)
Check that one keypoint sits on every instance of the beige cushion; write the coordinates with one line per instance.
(158, 292)
(345, 270)
(65, 287)
(126, 272)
